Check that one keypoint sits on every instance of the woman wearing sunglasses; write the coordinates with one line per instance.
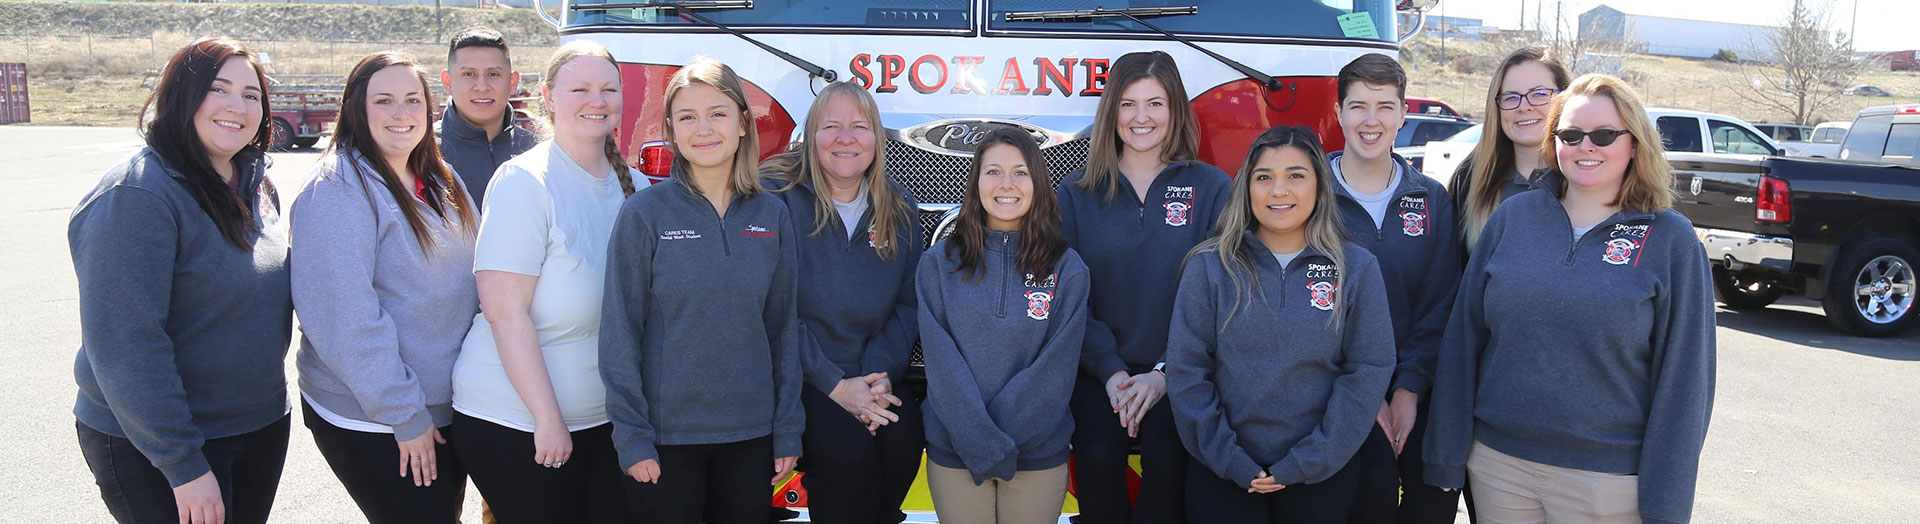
(1576, 379)
(1504, 162)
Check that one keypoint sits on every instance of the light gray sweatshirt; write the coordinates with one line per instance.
(380, 321)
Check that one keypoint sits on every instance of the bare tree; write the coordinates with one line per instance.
(1811, 66)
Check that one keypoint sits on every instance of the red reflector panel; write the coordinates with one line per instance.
(656, 160)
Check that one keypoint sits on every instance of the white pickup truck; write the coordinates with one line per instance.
(1826, 140)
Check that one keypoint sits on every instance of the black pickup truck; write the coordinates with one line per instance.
(1843, 232)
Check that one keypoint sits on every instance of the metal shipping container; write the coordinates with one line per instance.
(14, 108)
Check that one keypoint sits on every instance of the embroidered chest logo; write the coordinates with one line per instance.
(1320, 295)
(1178, 213)
(1413, 215)
(1321, 286)
(1039, 303)
(1624, 245)
(756, 231)
(1179, 193)
(679, 234)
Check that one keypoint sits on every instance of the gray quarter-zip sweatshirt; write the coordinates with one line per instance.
(699, 339)
(1595, 355)
(1001, 355)
(474, 158)
(1416, 246)
(1277, 387)
(183, 335)
(856, 310)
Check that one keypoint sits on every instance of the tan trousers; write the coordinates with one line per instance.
(1512, 490)
(1032, 497)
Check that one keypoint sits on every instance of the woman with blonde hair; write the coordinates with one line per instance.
(1576, 380)
(699, 342)
(382, 277)
(859, 247)
(1280, 346)
(1505, 160)
(527, 396)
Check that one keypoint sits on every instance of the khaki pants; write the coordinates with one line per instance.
(1512, 490)
(1032, 497)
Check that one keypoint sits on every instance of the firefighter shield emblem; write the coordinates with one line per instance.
(1038, 304)
(1178, 213)
(1320, 295)
(1619, 251)
(1413, 224)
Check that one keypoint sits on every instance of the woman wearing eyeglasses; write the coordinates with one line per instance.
(1576, 379)
(1504, 162)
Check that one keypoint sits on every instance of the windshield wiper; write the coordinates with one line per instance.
(688, 7)
(1134, 14)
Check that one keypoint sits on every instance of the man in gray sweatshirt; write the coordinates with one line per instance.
(477, 131)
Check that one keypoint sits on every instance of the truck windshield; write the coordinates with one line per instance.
(932, 14)
(1355, 19)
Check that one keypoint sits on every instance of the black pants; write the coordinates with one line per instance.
(720, 483)
(1213, 499)
(368, 464)
(1389, 480)
(500, 461)
(247, 467)
(1100, 449)
(853, 477)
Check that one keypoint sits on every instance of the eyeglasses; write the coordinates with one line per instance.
(1538, 97)
(1601, 137)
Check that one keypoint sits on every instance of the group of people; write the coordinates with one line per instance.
(493, 305)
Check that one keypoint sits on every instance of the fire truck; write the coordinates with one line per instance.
(942, 71)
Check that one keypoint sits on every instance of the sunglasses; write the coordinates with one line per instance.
(1601, 137)
(1539, 97)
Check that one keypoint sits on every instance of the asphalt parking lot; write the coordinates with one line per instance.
(1809, 425)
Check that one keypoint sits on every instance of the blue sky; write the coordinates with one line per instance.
(1883, 25)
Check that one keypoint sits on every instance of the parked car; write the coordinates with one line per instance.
(1444, 156)
(1826, 140)
(1840, 232)
(1421, 130)
(1420, 105)
(1684, 131)
(1791, 137)
(1867, 90)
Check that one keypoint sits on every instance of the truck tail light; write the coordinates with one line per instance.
(1773, 204)
(656, 161)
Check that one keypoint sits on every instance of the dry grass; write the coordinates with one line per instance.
(1703, 85)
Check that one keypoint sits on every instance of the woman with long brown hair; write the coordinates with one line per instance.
(1280, 345)
(1576, 380)
(527, 397)
(184, 306)
(1505, 160)
(383, 237)
(699, 339)
(858, 252)
(1003, 310)
(1141, 203)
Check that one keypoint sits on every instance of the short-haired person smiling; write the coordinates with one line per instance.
(477, 132)
(1406, 219)
(1576, 380)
